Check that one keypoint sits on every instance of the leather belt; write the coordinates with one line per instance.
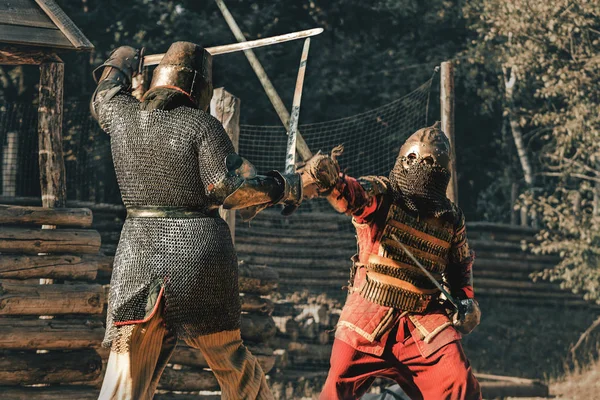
(169, 212)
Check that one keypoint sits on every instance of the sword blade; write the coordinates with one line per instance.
(431, 277)
(290, 159)
(154, 59)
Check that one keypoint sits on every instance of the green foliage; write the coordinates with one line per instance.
(555, 49)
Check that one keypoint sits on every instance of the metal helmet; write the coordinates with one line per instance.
(428, 146)
(187, 68)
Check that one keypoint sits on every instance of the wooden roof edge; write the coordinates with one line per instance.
(65, 24)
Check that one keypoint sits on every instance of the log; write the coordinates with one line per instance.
(19, 368)
(50, 115)
(80, 217)
(257, 279)
(34, 241)
(447, 112)
(49, 393)
(51, 299)
(188, 380)
(257, 328)
(256, 304)
(26, 55)
(68, 266)
(50, 334)
(287, 327)
(226, 108)
(186, 355)
(500, 389)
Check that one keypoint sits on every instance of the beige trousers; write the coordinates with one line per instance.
(135, 373)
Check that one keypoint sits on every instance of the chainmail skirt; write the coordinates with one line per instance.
(192, 259)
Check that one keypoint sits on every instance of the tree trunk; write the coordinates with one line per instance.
(510, 80)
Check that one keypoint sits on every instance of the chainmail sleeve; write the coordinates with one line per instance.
(112, 111)
(213, 146)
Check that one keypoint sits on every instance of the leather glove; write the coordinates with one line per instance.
(126, 60)
(468, 316)
(321, 173)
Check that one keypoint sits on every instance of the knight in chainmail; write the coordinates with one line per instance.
(175, 273)
(394, 323)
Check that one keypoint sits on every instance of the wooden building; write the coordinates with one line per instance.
(36, 32)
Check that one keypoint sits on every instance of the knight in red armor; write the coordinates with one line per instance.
(394, 323)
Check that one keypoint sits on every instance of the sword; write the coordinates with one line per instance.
(433, 280)
(154, 59)
(290, 158)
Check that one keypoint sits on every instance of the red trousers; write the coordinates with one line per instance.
(444, 375)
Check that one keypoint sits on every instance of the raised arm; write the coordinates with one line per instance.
(231, 181)
(114, 77)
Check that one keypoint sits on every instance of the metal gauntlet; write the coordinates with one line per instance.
(242, 188)
(272, 188)
(115, 74)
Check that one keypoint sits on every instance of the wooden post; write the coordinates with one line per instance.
(276, 101)
(514, 193)
(447, 111)
(226, 108)
(9, 165)
(50, 114)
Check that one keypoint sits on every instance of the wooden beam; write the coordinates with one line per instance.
(20, 299)
(25, 13)
(65, 24)
(54, 367)
(50, 334)
(80, 217)
(33, 241)
(447, 111)
(50, 114)
(226, 108)
(282, 112)
(68, 266)
(49, 393)
(32, 36)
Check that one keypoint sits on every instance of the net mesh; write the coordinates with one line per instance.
(310, 249)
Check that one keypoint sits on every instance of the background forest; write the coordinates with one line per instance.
(527, 89)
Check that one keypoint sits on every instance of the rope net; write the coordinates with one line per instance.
(314, 239)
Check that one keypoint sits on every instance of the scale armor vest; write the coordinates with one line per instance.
(170, 159)
(393, 279)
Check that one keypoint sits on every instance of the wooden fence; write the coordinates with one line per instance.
(51, 334)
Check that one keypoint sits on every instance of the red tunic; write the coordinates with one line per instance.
(365, 325)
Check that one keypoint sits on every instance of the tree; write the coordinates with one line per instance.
(554, 50)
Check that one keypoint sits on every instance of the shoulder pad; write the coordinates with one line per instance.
(374, 185)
